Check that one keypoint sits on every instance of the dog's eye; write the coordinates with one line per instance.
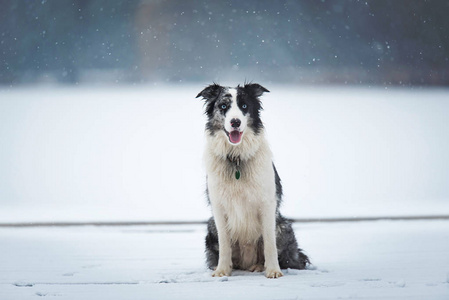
(244, 106)
(224, 106)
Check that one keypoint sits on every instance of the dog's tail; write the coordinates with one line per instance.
(303, 260)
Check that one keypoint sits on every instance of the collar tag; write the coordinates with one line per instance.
(237, 174)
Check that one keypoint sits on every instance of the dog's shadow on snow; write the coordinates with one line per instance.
(205, 275)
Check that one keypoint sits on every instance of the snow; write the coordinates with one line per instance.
(133, 153)
(362, 260)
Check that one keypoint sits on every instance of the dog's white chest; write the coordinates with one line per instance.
(243, 200)
(242, 207)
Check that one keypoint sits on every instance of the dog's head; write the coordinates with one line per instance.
(233, 111)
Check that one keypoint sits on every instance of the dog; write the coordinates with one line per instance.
(247, 231)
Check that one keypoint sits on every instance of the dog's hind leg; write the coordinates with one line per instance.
(259, 265)
(212, 244)
(290, 256)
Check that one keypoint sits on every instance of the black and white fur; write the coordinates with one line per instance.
(246, 231)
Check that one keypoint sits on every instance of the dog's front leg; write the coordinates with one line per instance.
(272, 269)
(224, 267)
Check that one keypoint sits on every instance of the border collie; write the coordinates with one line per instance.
(246, 232)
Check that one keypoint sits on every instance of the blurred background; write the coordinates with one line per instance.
(306, 42)
(98, 120)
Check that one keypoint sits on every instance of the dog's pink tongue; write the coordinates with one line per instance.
(235, 136)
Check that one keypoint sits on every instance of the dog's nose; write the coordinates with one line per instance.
(235, 123)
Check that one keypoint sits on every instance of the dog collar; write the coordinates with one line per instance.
(236, 162)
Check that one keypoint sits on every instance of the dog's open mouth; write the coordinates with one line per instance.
(235, 136)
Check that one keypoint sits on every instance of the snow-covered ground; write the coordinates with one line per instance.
(133, 153)
(361, 260)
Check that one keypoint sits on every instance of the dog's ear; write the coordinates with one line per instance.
(255, 89)
(211, 92)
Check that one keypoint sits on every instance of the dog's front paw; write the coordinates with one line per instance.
(273, 273)
(221, 272)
